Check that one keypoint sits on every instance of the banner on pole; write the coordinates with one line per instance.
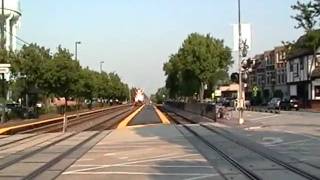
(246, 36)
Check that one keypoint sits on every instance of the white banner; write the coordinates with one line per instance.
(246, 36)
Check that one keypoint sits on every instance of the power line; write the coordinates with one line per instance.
(18, 38)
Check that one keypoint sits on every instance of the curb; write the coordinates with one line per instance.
(274, 111)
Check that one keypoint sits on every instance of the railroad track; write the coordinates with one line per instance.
(235, 161)
(55, 124)
(45, 146)
(81, 123)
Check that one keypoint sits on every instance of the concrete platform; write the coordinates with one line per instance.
(155, 152)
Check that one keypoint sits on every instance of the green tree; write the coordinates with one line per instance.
(103, 90)
(62, 76)
(307, 14)
(161, 95)
(86, 87)
(29, 67)
(5, 57)
(119, 90)
(201, 60)
(307, 18)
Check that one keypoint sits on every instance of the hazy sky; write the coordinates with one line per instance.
(135, 37)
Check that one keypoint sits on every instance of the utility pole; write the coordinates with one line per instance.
(2, 25)
(240, 98)
(2, 45)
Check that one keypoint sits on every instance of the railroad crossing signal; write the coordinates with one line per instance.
(255, 90)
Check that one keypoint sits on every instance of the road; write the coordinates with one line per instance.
(292, 133)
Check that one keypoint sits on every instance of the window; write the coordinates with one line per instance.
(317, 91)
(291, 67)
(301, 64)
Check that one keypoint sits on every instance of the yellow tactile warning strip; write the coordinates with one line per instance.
(4, 130)
(162, 117)
(124, 123)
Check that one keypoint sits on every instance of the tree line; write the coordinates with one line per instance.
(41, 74)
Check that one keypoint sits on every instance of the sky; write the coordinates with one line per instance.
(135, 37)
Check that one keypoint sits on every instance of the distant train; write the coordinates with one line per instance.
(139, 98)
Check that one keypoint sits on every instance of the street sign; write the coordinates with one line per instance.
(217, 93)
(5, 65)
(4, 70)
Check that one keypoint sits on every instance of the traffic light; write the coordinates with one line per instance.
(234, 77)
(247, 64)
(245, 77)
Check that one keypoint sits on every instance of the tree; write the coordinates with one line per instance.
(85, 89)
(307, 14)
(29, 67)
(199, 62)
(307, 19)
(119, 90)
(161, 95)
(5, 57)
(62, 76)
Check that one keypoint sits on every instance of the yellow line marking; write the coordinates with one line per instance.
(143, 125)
(162, 117)
(124, 123)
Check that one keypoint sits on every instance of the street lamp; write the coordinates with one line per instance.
(101, 62)
(76, 49)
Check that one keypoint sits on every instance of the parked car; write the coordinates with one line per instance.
(228, 101)
(288, 105)
(274, 103)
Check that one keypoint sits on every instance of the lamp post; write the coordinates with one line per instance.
(101, 63)
(76, 49)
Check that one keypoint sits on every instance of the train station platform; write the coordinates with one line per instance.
(153, 152)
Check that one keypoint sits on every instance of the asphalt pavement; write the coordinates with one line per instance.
(148, 115)
(291, 133)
